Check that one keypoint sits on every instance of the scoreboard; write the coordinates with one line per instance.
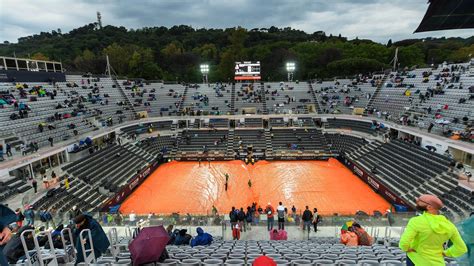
(247, 70)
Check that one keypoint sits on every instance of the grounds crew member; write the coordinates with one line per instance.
(425, 235)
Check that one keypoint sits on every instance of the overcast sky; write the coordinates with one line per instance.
(378, 20)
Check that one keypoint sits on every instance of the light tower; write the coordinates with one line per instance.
(290, 68)
(204, 71)
(99, 20)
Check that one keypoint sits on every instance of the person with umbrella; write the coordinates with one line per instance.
(150, 245)
(99, 238)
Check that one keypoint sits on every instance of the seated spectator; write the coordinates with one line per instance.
(349, 238)
(202, 238)
(182, 238)
(278, 234)
(364, 238)
(99, 238)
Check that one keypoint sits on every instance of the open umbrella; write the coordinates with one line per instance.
(149, 244)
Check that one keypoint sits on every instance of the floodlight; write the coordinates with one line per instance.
(204, 69)
(290, 66)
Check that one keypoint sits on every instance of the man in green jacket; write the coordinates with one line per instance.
(425, 235)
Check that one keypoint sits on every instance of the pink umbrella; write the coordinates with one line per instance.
(149, 244)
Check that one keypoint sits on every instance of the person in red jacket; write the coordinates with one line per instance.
(270, 219)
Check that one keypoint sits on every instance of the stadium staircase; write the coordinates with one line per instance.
(315, 98)
(376, 94)
(174, 151)
(230, 145)
(125, 96)
(232, 100)
(264, 99)
(268, 144)
(183, 99)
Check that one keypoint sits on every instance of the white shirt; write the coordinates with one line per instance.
(132, 217)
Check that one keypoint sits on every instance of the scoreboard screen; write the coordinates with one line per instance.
(247, 70)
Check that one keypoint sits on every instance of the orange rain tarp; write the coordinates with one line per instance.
(186, 187)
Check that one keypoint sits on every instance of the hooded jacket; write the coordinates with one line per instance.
(99, 239)
(426, 234)
(201, 239)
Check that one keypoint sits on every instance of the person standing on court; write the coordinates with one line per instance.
(307, 219)
(270, 219)
(425, 235)
(281, 216)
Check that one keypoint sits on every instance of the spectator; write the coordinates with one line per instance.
(236, 232)
(182, 238)
(233, 217)
(364, 238)
(34, 184)
(7, 217)
(425, 235)
(131, 218)
(293, 212)
(29, 215)
(45, 182)
(50, 139)
(8, 150)
(281, 216)
(19, 217)
(278, 234)
(307, 218)
(99, 238)
(316, 219)
(241, 218)
(202, 239)
(270, 220)
(349, 238)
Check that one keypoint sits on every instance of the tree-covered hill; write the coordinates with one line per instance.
(175, 53)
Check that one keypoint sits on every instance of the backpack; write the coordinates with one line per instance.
(233, 216)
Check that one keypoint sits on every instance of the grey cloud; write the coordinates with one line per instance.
(378, 20)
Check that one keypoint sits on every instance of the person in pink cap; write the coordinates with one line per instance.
(425, 235)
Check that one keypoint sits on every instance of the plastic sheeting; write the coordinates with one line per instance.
(187, 187)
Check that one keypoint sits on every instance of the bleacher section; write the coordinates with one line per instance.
(12, 186)
(249, 96)
(157, 99)
(79, 194)
(298, 139)
(343, 95)
(155, 145)
(208, 99)
(211, 141)
(101, 168)
(286, 98)
(340, 143)
(316, 251)
(411, 171)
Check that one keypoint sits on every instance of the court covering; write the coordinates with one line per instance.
(188, 187)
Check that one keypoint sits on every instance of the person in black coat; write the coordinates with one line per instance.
(99, 238)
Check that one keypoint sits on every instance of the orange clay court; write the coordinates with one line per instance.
(186, 187)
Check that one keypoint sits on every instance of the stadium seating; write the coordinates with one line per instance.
(100, 169)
